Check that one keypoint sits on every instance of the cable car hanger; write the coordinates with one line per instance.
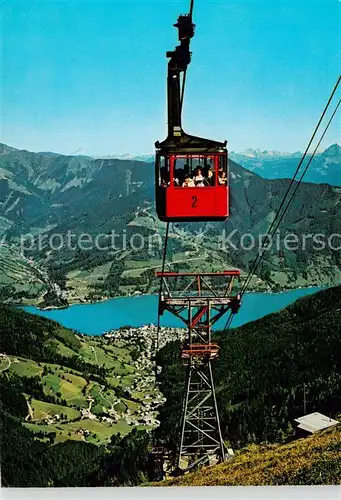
(179, 59)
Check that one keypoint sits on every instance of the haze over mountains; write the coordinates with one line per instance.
(127, 156)
(325, 166)
(43, 195)
(269, 164)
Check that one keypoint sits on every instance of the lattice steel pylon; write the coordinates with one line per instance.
(199, 300)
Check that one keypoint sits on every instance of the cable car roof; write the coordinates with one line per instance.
(190, 144)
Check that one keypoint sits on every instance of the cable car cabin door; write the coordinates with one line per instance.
(196, 191)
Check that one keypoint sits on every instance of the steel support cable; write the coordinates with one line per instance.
(307, 166)
(230, 319)
(160, 289)
(185, 72)
(255, 264)
(297, 185)
(293, 194)
(291, 198)
(191, 8)
(278, 215)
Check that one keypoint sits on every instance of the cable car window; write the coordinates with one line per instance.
(163, 171)
(210, 171)
(222, 171)
(180, 171)
(194, 171)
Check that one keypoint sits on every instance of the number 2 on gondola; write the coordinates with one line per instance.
(194, 201)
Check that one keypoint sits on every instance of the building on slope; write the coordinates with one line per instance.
(314, 422)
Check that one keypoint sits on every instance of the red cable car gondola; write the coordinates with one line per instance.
(191, 173)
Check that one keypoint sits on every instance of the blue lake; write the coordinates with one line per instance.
(98, 318)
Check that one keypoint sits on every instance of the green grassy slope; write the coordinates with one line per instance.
(315, 460)
(77, 387)
(73, 409)
(19, 280)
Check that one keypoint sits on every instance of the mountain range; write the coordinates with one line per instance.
(325, 166)
(44, 197)
(127, 156)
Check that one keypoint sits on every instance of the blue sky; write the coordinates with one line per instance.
(90, 76)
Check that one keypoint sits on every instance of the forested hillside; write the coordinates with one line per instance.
(262, 369)
(28, 461)
(70, 405)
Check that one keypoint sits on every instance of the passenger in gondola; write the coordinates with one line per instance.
(177, 178)
(211, 176)
(222, 179)
(164, 177)
(198, 178)
(180, 175)
(188, 182)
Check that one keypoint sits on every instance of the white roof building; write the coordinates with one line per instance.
(315, 422)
